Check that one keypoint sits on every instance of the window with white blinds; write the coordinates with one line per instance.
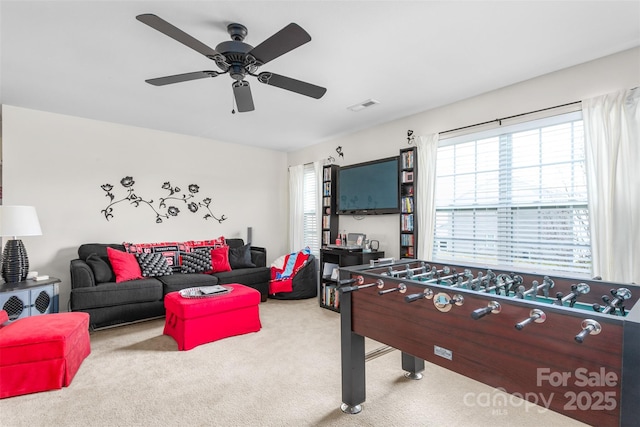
(515, 196)
(310, 190)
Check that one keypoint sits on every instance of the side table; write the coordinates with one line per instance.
(29, 298)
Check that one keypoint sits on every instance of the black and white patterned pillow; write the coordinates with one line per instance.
(198, 261)
(153, 264)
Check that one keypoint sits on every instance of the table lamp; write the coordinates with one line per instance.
(17, 221)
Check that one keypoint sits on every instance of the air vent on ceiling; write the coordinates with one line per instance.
(364, 104)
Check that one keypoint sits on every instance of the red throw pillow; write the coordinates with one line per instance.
(125, 265)
(220, 259)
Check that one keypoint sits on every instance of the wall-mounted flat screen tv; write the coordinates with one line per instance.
(369, 188)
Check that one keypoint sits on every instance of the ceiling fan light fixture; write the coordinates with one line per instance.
(364, 104)
(239, 59)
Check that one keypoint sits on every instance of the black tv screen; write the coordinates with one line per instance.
(369, 188)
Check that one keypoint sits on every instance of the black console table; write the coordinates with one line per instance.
(332, 258)
(29, 298)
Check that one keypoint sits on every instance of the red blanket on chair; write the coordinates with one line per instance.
(285, 284)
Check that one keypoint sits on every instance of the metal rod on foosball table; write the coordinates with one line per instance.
(576, 290)
(360, 284)
(433, 272)
(402, 288)
(510, 281)
(380, 351)
(620, 295)
(408, 271)
(521, 293)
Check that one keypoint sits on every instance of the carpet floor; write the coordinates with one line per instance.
(287, 374)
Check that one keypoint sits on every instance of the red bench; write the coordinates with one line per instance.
(195, 321)
(41, 353)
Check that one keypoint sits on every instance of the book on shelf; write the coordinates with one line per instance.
(407, 204)
(407, 240)
(326, 221)
(326, 189)
(326, 174)
(407, 222)
(331, 296)
(326, 237)
(407, 160)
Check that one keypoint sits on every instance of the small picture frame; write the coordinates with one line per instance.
(409, 177)
(359, 241)
(334, 274)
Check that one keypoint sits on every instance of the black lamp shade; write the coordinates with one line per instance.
(15, 262)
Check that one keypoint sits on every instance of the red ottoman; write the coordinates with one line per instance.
(41, 353)
(195, 321)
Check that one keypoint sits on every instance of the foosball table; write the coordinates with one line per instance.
(570, 345)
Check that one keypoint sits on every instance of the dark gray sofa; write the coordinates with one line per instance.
(109, 303)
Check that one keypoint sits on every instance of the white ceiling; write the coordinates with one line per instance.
(90, 59)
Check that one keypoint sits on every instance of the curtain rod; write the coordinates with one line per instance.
(510, 117)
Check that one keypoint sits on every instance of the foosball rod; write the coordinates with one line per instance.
(620, 295)
(360, 284)
(432, 272)
(438, 278)
(576, 290)
(397, 273)
(521, 293)
(510, 281)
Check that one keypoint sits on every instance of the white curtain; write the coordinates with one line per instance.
(296, 207)
(317, 169)
(612, 143)
(425, 192)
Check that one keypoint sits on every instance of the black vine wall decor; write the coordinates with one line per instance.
(166, 205)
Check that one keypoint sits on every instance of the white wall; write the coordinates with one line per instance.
(605, 75)
(58, 164)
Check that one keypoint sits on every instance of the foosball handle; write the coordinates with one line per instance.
(535, 315)
(589, 327)
(428, 293)
(493, 307)
(402, 288)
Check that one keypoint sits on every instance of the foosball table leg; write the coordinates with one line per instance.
(413, 366)
(352, 361)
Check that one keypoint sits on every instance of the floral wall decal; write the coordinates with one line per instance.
(166, 205)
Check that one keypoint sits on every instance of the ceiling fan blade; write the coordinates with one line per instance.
(177, 78)
(177, 34)
(242, 93)
(293, 85)
(285, 40)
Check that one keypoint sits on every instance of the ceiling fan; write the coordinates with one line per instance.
(239, 59)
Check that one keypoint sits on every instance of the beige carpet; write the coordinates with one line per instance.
(288, 374)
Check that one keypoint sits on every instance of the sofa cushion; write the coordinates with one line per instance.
(115, 294)
(220, 259)
(101, 269)
(192, 245)
(234, 242)
(245, 276)
(153, 264)
(198, 261)
(179, 281)
(240, 257)
(170, 250)
(125, 265)
(97, 248)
